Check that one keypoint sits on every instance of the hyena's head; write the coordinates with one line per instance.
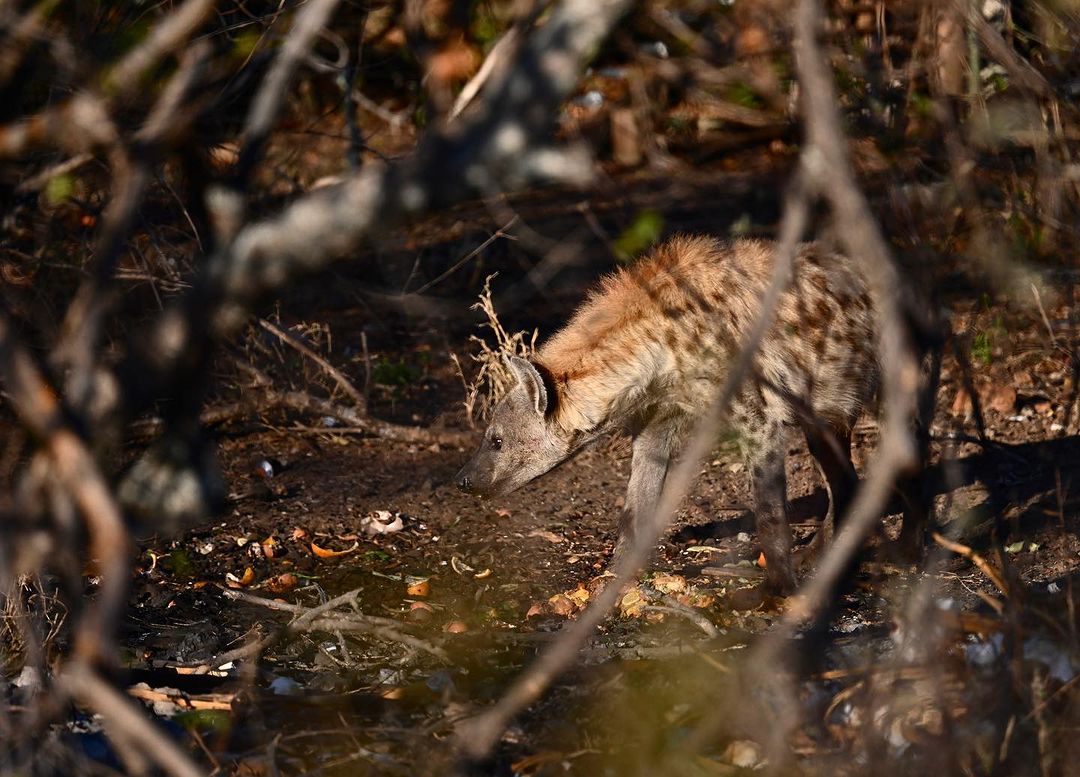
(520, 443)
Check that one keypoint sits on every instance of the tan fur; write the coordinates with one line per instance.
(659, 336)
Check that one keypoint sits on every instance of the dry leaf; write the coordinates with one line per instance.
(282, 583)
(669, 584)
(420, 612)
(224, 155)
(456, 61)
(537, 608)
(561, 605)
(961, 405)
(699, 599)
(326, 553)
(1001, 399)
(455, 627)
(550, 536)
(579, 596)
(271, 547)
(233, 581)
(632, 603)
(418, 587)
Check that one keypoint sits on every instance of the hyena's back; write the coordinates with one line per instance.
(659, 337)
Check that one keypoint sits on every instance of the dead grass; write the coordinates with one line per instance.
(492, 378)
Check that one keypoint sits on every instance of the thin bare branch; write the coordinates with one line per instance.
(38, 407)
(983, 565)
(1019, 69)
(306, 403)
(322, 618)
(166, 38)
(311, 18)
(22, 35)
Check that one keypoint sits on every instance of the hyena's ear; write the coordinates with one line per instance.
(530, 379)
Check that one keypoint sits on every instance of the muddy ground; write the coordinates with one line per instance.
(491, 582)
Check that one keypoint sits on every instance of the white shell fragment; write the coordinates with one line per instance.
(381, 522)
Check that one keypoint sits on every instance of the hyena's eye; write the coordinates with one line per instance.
(495, 443)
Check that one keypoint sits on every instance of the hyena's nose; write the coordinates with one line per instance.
(465, 484)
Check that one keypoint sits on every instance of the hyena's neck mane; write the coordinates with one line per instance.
(621, 343)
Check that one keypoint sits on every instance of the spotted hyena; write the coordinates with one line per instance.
(647, 353)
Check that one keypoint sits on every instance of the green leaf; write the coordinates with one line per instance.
(982, 348)
(204, 721)
(60, 189)
(741, 226)
(642, 234)
(181, 564)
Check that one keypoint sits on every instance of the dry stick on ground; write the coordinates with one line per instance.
(306, 403)
(294, 342)
(476, 736)
(303, 402)
(320, 618)
(976, 559)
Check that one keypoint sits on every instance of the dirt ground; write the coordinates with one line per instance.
(491, 582)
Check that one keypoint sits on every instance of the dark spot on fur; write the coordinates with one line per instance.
(822, 312)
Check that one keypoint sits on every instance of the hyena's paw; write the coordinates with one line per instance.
(780, 575)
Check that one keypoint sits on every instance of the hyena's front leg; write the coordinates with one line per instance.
(648, 469)
(766, 462)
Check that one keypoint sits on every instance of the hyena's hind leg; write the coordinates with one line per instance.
(831, 447)
(915, 491)
(652, 450)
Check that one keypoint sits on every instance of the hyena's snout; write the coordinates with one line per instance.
(479, 476)
(469, 479)
(464, 482)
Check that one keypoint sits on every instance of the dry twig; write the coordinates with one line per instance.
(319, 619)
